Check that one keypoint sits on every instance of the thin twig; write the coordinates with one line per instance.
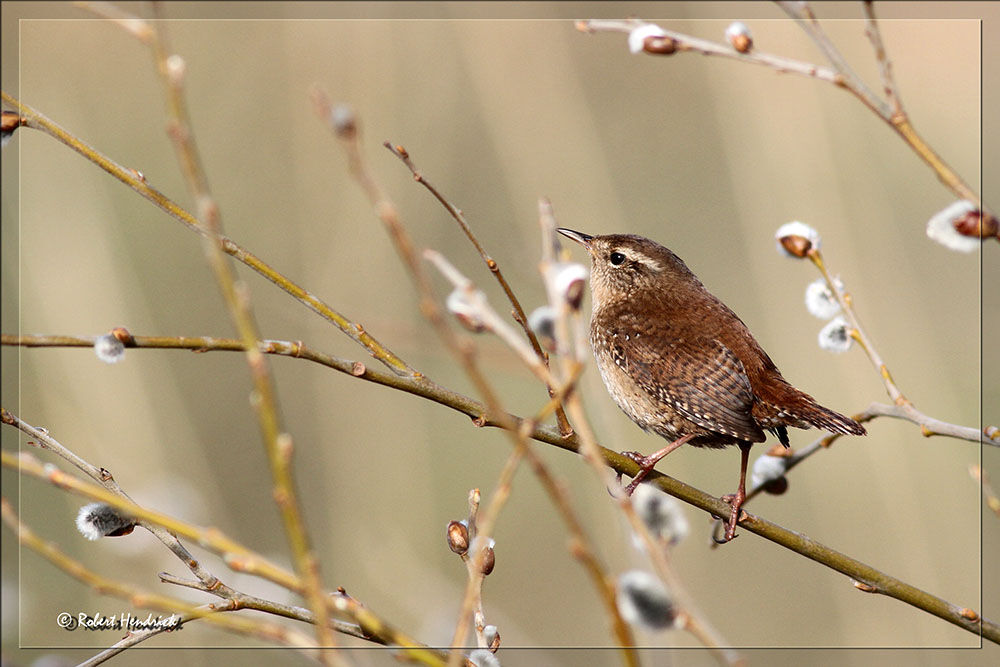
(992, 501)
(884, 64)
(247, 626)
(928, 425)
(841, 75)
(709, 48)
(802, 14)
(464, 353)
(235, 555)
(277, 442)
(904, 408)
(518, 312)
(138, 27)
(103, 476)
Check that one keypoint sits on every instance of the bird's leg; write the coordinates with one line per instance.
(736, 499)
(647, 463)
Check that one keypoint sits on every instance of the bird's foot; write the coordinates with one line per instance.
(646, 465)
(641, 460)
(736, 515)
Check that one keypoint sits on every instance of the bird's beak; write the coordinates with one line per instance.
(579, 237)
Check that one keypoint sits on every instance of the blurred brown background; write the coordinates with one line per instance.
(498, 104)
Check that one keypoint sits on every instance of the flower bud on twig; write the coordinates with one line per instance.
(820, 301)
(11, 121)
(651, 39)
(769, 470)
(569, 280)
(462, 305)
(109, 349)
(835, 336)
(343, 121)
(489, 558)
(176, 68)
(542, 321)
(492, 637)
(958, 226)
(796, 239)
(458, 537)
(643, 600)
(739, 36)
(98, 520)
(482, 657)
(662, 514)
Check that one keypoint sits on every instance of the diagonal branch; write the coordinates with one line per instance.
(884, 64)
(34, 119)
(491, 264)
(346, 131)
(149, 600)
(278, 443)
(840, 75)
(236, 556)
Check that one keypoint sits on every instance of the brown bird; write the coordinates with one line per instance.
(681, 364)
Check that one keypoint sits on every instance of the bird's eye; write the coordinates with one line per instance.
(617, 258)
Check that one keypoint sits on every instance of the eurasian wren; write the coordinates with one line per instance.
(681, 364)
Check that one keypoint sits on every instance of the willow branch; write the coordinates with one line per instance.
(145, 599)
(989, 495)
(418, 385)
(840, 75)
(206, 581)
(802, 14)
(278, 443)
(794, 541)
(903, 407)
(236, 556)
(518, 311)
(709, 48)
(134, 179)
(346, 130)
(103, 476)
(293, 612)
(874, 35)
(929, 425)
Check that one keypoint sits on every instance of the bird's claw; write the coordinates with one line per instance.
(639, 459)
(735, 516)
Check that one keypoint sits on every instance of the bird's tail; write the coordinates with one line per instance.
(799, 409)
(830, 420)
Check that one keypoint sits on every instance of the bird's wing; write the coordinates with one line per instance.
(703, 380)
